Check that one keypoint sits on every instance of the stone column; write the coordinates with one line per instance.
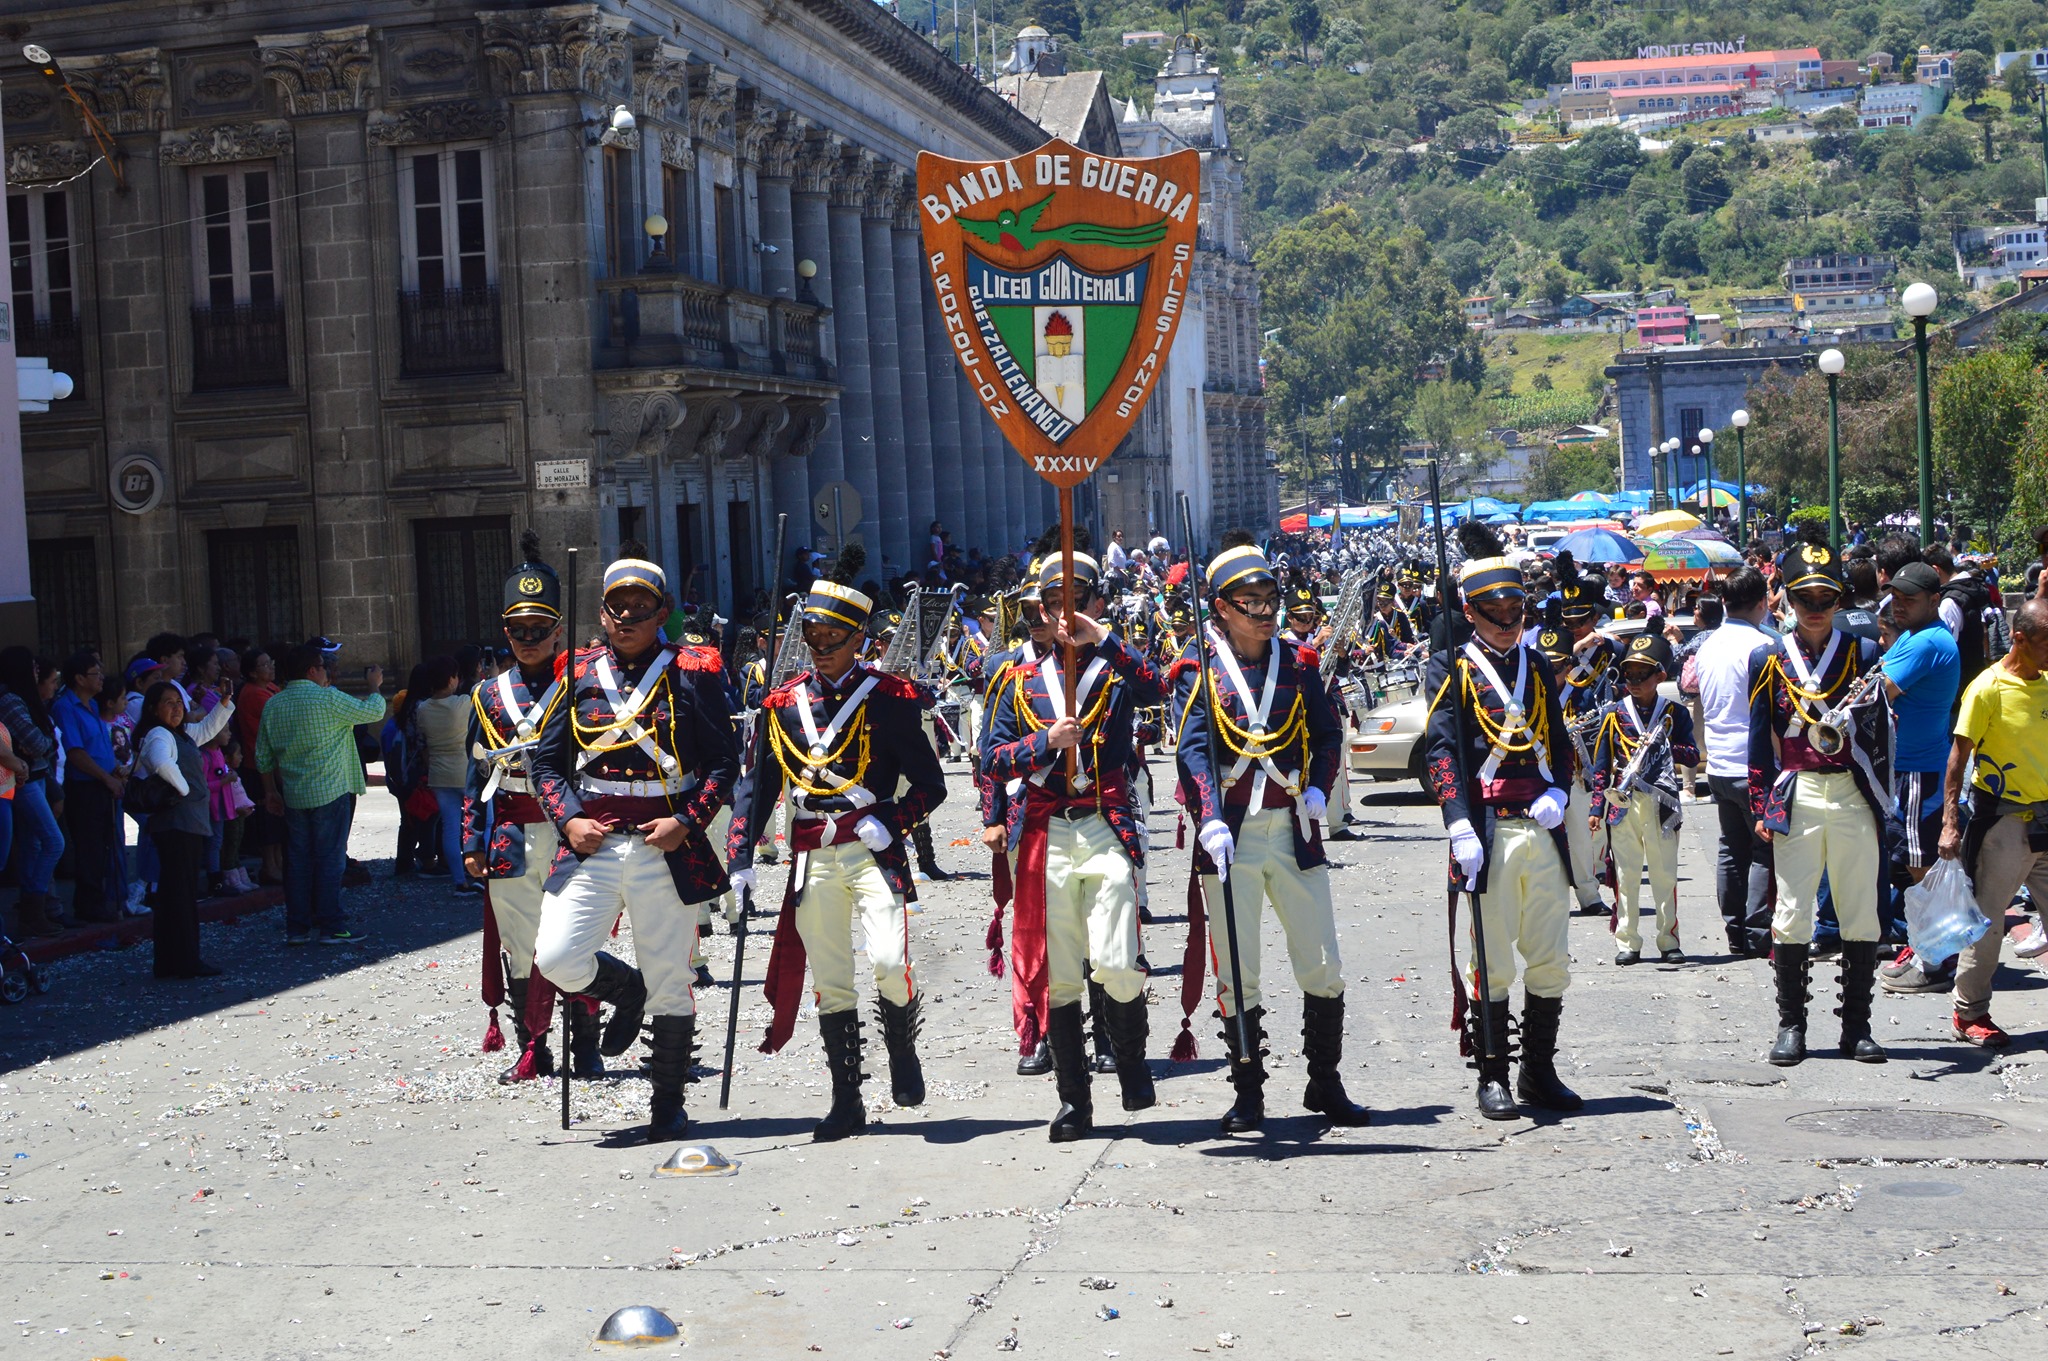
(789, 477)
(968, 454)
(848, 196)
(323, 81)
(913, 298)
(811, 231)
(888, 505)
(978, 433)
(949, 462)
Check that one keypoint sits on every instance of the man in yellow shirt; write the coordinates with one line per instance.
(2001, 751)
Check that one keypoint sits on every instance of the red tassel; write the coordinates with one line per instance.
(995, 963)
(1180, 833)
(525, 1070)
(993, 937)
(1184, 1044)
(494, 1038)
(1027, 1035)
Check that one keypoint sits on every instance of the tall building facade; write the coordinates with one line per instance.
(1204, 432)
(366, 289)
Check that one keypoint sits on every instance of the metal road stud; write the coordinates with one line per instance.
(697, 1160)
(637, 1325)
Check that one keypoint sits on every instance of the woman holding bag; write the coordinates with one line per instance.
(178, 823)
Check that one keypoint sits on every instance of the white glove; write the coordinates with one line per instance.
(1218, 842)
(873, 833)
(1548, 810)
(1466, 849)
(741, 880)
(1314, 803)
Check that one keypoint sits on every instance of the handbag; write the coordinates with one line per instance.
(147, 796)
(420, 805)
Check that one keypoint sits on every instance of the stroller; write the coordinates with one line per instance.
(19, 976)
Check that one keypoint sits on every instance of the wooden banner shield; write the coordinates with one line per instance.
(1061, 276)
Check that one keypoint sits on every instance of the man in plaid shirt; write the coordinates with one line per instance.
(306, 753)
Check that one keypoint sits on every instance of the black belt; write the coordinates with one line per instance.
(1074, 812)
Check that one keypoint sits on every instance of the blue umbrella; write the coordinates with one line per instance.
(1503, 518)
(1599, 545)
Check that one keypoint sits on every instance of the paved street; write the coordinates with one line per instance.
(309, 1157)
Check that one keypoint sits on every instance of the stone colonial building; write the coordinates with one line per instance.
(1204, 432)
(365, 290)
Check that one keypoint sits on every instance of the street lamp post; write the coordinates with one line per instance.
(1832, 363)
(1920, 301)
(1740, 420)
(1706, 485)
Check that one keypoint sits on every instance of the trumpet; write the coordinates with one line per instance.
(1830, 734)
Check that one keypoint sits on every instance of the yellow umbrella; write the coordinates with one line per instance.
(1666, 522)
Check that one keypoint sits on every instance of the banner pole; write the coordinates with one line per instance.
(1069, 653)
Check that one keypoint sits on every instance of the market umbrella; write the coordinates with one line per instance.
(1703, 535)
(1599, 545)
(1598, 497)
(1293, 524)
(1667, 522)
(1676, 558)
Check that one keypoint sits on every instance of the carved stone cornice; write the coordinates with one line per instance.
(713, 95)
(810, 424)
(773, 419)
(818, 160)
(755, 121)
(851, 181)
(128, 90)
(225, 143)
(562, 49)
(675, 147)
(330, 71)
(642, 422)
(721, 416)
(46, 162)
(661, 73)
(892, 194)
(446, 120)
(784, 146)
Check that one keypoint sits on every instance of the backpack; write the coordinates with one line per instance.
(1971, 597)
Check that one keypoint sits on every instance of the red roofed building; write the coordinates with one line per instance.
(1798, 67)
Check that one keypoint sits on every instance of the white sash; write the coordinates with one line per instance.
(822, 740)
(1514, 718)
(523, 721)
(1808, 677)
(624, 710)
(1258, 714)
(1056, 696)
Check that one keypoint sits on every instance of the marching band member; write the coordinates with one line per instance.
(1584, 686)
(840, 737)
(1642, 821)
(1418, 609)
(1260, 801)
(1078, 847)
(1504, 801)
(507, 841)
(1819, 809)
(631, 768)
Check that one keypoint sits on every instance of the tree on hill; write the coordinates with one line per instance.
(2020, 85)
(1305, 22)
(1563, 471)
(1971, 74)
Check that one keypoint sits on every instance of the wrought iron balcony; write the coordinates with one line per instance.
(58, 340)
(456, 331)
(239, 347)
(661, 317)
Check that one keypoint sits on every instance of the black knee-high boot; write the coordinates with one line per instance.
(1538, 1084)
(619, 984)
(1104, 1060)
(1322, 1045)
(1248, 1078)
(531, 1046)
(1129, 1026)
(1076, 1117)
(669, 1067)
(1859, 975)
(899, 1033)
(1789, 965)
(841, 1033)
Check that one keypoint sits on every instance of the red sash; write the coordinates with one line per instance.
(1030, 1008)
(784, 986)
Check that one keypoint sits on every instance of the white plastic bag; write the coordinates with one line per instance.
(1941, 914)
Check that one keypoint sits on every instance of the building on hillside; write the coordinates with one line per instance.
(1935, 68)
(1697, 101)
(2036, 59)
(1768, 319)
(1826, 300)
(1710, 329)
(1204, 431)
(1974, 330)
(1479, 311)
(1796, 68)
(1879, 64)
(1836, 75)
(1576, 107)
(302, 411)
(1664, 325)
(1150, 37)
(1904, 105)
(1845, 327)
(1812, 103)
(1836, 271)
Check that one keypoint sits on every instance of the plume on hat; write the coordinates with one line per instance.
(1814, 532)
(1237, 538)
(529, 545)
(844, 568)
(1478, 541)
(632, 548)
(1049, 542)
(1566, 568)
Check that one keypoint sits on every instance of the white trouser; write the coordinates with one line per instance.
(625, 873)
(516, 902)
(1091, 912)
(839, 880)
(1266, 871)
(1586, 845)
(1639, 841)
(1340, 788)
(976, 710)
(1830, 831)
(1526, 908)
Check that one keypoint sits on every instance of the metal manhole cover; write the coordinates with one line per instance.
(1919, 1126)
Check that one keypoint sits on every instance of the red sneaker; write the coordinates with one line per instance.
(1982, 1032)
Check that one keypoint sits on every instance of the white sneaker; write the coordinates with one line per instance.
(136, 892)
(2033, 944)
